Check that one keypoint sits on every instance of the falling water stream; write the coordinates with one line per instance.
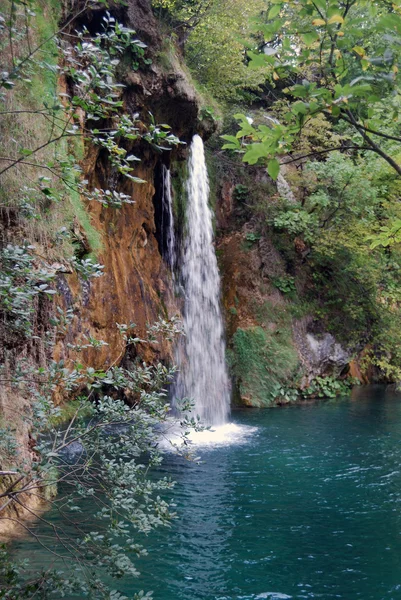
(167, 228)
(201, 356)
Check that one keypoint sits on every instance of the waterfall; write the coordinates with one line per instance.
(284, 189)
(201, 358)
(167, 226)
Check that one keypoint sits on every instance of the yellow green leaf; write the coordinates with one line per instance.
(359, 50)
(335, 19)
(318, 22)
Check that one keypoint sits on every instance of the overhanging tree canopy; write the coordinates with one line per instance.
(339, 59)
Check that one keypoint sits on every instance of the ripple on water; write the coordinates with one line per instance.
(270, 595)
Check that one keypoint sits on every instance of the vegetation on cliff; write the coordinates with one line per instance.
(49, 253)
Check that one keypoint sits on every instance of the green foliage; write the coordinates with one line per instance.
(317, 135)
(117, 419)
(327, 387)
(325, 237)
(216, 36)
(179, 177)
(241, 192)
(92, 234)
(295, 220)
(260, 361)
(331, 96)
(21, 283)
(93, 70)
(66, 412)
(348, 287)
(87, 268)
(114, 437)
(341, 272)
(285, 283)
(343, 59)
(252, 237)
(336, 192)
(283, 394)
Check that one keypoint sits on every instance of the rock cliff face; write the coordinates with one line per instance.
(271, 346)
(136, 286)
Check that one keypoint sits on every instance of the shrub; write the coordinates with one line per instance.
(326, 387)
(261, 360)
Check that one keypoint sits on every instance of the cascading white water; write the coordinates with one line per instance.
(167, 227)
(201, 359)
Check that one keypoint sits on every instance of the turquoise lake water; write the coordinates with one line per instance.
(305, 502)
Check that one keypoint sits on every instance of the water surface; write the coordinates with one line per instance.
(304, 505)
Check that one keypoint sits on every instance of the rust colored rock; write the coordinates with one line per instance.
(362, 369)
(225, 205)
(300, 246)
(136, 286)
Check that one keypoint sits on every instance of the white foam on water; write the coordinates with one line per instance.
(273, 596)
(222, 435)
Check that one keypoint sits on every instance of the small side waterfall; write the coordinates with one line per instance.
(201, 359)
(167, 226)
(283, 188)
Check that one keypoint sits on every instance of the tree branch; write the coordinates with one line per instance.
(343, 148)
(367, 129)
(16, 161)
(373, 145)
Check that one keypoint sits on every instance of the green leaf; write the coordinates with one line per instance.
(321, 4)
(299, 91)
(390, 21)
(255, 152)
(273, 168)
(310, 38)
(274, 11)
(231, 138)
(359, 50)
(257, 60)
(299, 108)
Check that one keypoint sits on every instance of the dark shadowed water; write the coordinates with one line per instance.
(305, 505)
